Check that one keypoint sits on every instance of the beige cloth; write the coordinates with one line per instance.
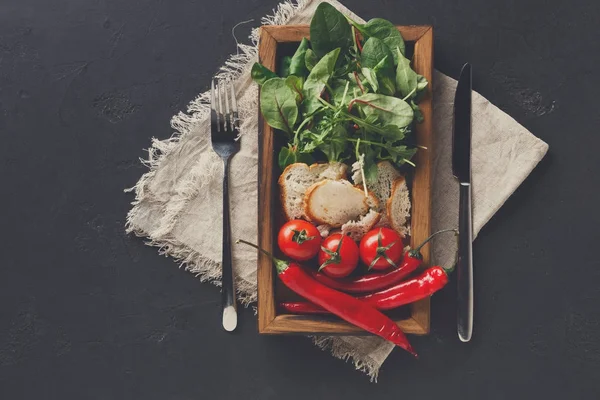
(178, 202)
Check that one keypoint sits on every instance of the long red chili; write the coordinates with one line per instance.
(420, 287)
(411, 260)
(343, 305)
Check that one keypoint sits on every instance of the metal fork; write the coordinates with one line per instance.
(223, 134)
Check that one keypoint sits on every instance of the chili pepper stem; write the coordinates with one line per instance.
(280, 265)
(419, 247)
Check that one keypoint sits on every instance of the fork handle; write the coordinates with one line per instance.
(227, 282)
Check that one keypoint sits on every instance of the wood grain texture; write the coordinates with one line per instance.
(269, 321)
(266, 183)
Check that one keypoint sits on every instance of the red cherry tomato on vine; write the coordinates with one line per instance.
(299, 240)
(381, 248)
(338, 256)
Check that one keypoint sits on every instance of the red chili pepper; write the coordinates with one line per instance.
(411, 260)
(420, 287)
(343, 305)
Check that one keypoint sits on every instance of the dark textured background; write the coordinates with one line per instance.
(88, 312)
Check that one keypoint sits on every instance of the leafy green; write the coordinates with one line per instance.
(388, 109)
(310, 59)
(384, 71)
(284, 67)
(295, 83)
(406, 78)
(371, 78)
(340, 97)
(417, 111)
(383, 30)
(261, 74)
(329, 29)
(317, 80)
(335, 143)
(289, 155)
(298, 62)
(278, 105)
(374, 52)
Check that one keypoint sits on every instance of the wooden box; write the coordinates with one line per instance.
(415, 318)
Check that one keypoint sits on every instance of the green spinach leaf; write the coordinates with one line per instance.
(295, 83)
(284, 67)
(310, 59)
(298, 64)
(374, 52)
(383, 30)
(388, 109)
(260, 74)
(318, 78)
(289, 155)
(406, 78)
(278, 105)
(384, 71)
(329, 29)
(371, 78)
(417, 111)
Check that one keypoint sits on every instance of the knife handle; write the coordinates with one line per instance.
(464, 267)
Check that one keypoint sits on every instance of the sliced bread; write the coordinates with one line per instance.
(335, 202)
(357, 229)
(298, 177)
(398, 207)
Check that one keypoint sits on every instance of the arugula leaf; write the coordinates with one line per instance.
(383, 30)
(298, 65)
(310, 59)
(284, 67)
(389, 110)
(317, 79)
(335, 143)
(398, 154)
(260, 74)
(329, 29)
(295, 83)
(375, 51)
(406, 78)
(278, 104)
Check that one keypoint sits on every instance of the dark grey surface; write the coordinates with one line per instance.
(87, 312)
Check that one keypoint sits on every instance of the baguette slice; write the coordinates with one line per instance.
(335, 202)
(298, 177)
(398, 207)
(357, 229)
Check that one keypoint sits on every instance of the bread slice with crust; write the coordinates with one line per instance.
(335, 202)
(298, 177)
(398, 207)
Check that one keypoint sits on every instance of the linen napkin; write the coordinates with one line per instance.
(177, 202)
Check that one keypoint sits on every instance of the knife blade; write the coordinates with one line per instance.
(461, 168)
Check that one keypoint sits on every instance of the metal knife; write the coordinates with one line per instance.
(461, 168)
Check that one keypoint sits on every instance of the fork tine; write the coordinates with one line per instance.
(220, 101)
(214, 94)
(234, 109)
(228, 120)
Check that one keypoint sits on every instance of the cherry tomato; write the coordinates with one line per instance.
(381, 248)
(299, 240)
(338, 256)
